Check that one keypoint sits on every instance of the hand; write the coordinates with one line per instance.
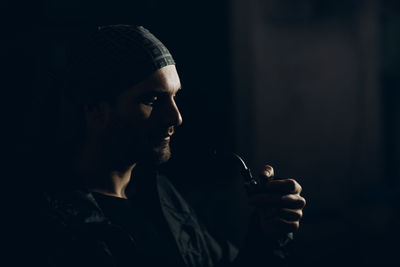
(279, 206)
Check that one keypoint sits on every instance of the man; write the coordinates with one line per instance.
(117, 210)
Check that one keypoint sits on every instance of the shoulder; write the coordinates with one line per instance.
(70, 207)
(72, 230)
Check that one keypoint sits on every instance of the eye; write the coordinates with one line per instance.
(149, 100)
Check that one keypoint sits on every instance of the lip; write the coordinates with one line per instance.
(162, 138)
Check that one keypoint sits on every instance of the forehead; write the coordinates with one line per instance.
(164, 80)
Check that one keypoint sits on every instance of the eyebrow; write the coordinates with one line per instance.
(163, 92)
(158, 92)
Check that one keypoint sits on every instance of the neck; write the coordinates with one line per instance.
(98, 176)
(116, 184)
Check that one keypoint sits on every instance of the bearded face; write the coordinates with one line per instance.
(140, 124)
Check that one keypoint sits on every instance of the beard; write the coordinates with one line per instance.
(159, 154)
(125, 146)
(160, 148)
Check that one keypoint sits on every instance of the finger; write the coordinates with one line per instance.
(285, 186)
(268, 213)
(292, 201)
(266, 199)
(290, 214)
(268, 171)
(288, 226)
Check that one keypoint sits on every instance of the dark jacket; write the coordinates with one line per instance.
(78, 231)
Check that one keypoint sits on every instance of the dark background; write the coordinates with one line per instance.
(310, 87)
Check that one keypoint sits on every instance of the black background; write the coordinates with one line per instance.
(36, 35)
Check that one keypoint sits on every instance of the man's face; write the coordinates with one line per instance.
(143, 119)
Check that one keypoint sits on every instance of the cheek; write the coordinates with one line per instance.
(139, 114)
(132, 109)
(144, 112)
(136, 115)
(133, 122)
(139, 122)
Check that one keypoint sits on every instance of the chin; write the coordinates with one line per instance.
(161, 154)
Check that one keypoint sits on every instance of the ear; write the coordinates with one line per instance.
(97, 115)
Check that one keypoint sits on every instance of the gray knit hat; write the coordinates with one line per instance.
(115, 58)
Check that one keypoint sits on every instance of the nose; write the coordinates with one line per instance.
(172, 116)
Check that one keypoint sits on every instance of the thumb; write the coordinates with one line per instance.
(267, 173)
